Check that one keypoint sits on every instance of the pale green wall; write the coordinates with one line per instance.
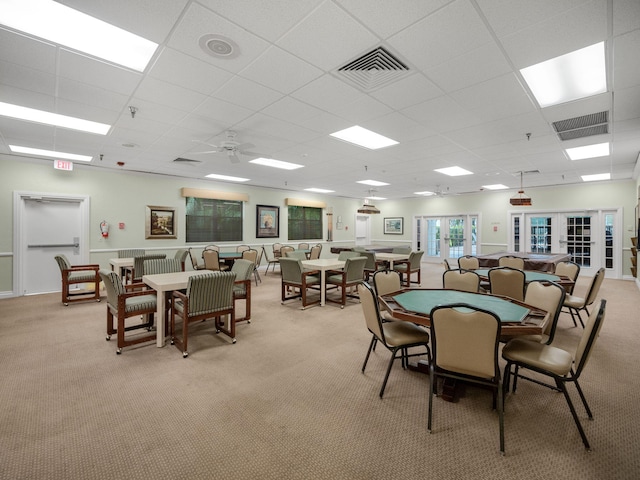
(122, 197)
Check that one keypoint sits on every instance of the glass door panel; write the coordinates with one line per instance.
(540, 234)
(432, 237)
(454, 241)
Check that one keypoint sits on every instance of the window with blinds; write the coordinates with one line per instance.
(212, 220)
(304, 223)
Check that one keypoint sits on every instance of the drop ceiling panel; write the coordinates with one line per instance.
(25, 78)
(27, 51)
(626, 67)
(438, 38)
(342, 38)
(564, 33)
(326, 93)
(199, 21)
(281, 71)
(407, 91)
(184, 70)
(247, 93)
(168, 94)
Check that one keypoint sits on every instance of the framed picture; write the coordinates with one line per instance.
(394, 225)
(267, 221)
(160, 222)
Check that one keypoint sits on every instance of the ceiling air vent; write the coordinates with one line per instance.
(374, 70)
(585, 126)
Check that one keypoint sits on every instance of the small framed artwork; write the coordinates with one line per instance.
(160, 222)
(267, 221)
(394, 225)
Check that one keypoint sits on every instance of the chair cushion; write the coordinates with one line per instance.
(538, 355)
(85, 275)
(404, 333)
(140, 303)
(573, 301)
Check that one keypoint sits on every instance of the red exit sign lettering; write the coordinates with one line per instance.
(62, 165)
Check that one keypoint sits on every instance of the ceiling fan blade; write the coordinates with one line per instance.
(242, 146)
(206, 151)
(233, 157)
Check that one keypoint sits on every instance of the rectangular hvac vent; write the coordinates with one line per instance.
(584, 126)
(374, 70)
(186, 160)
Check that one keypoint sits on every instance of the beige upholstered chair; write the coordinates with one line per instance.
(464, 346)
(242, 248)
(350, 277)
(410, 266)
(562, 366)
(568, 269)
(181, 256)
(243, 269)
(397, 337)
(297, 280)
(447, 265)
(314, 254)
(469, 262)
(576, 304)
(303, 246)
(194, 262)
(208, 295)
(135, 273)
(124, 302)
(276, 250)
(77, 274)
(460, 279)
(212, 247)
(384, 283)
(547, 296)
(271, 260)
(511, 261)
(252, 255)
(507, 281)
(285, 249)
(212, 261)
(130, 253)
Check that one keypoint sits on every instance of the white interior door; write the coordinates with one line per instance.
(362, 230)
(48, 226)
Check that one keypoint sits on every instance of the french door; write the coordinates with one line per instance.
(446, 236)
(592, 238)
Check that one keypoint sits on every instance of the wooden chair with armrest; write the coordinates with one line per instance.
(296, 281)
(208, 295)
(243, 269)
(410, 266)
(351, 276)
(124, 302)
(75, 275)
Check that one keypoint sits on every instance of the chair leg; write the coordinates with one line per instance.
(561, 386)
(371, 347)
(386, 377)
(584, 400)
(432, 384)
(500, 395)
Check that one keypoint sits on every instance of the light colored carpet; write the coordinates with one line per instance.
(289, 401)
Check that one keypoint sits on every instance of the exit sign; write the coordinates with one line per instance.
(62, 165)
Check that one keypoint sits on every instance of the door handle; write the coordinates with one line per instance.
(56, 245)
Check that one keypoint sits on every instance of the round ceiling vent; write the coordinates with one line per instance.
(219, 46)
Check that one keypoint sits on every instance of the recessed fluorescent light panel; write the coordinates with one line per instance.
(373, 183)
(318, 190)
(588, 151)
(270, 162)
(453, 171)
(226, 178)
(65, 26)
(364, 138)
(49, 153)
(568, 77)
(425, 193)
(598, 176)
(376, 198)
(40, 116)
(497, 186)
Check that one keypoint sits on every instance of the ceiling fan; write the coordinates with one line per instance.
(230, 147)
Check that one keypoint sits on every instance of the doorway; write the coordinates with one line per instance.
(447, 236)
(363, 230)
(46, 225)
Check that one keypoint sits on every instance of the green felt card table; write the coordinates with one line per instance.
(415, 305)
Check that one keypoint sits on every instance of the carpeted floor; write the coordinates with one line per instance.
(289, 401)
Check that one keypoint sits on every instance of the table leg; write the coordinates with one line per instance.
(322, 287)
(160, 333)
